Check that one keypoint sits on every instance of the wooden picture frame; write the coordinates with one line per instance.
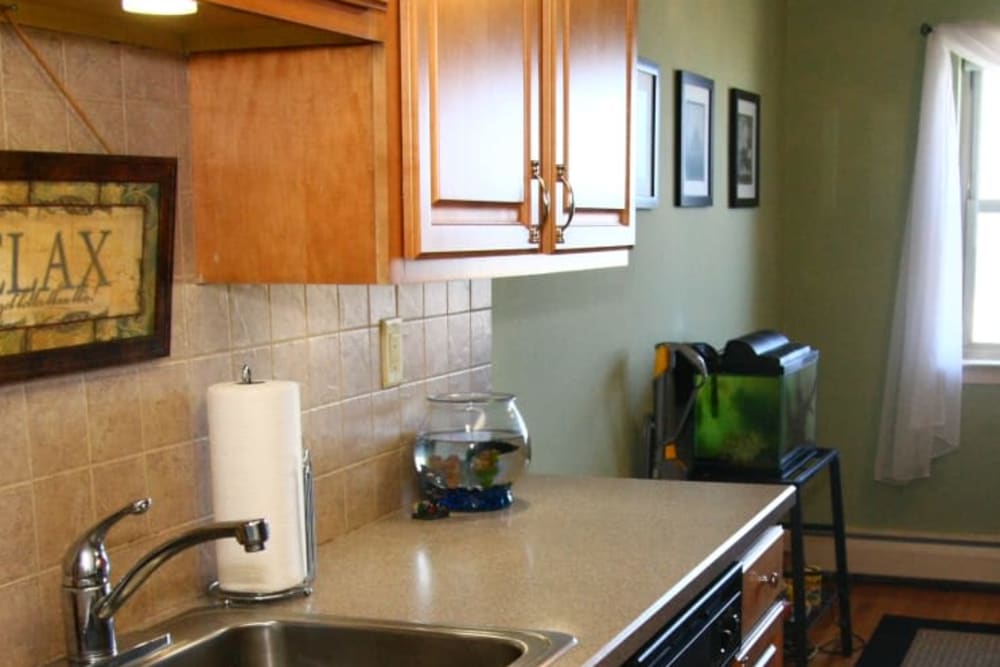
(86, 261)
(693, 140)
(744, 149)
(647, 134)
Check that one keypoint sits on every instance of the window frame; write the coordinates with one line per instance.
(981, 360)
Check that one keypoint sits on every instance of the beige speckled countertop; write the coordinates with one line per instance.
(606, 560)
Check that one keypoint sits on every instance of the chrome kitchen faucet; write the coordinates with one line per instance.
(89, 600)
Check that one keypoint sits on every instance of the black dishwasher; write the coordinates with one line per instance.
(705, 634)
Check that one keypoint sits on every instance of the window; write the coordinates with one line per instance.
(981, 181)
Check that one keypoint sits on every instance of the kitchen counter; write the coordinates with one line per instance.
(606, 560)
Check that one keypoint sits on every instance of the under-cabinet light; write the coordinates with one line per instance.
(161, 7)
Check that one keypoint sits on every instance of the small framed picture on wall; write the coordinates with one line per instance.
(693, 137)
(744, 148)
(647, 134)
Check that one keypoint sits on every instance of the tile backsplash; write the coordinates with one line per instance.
(74, 448)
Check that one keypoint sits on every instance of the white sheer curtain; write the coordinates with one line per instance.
(922, 403)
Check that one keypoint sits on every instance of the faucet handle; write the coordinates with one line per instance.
(86, 561)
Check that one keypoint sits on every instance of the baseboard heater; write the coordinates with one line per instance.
(902, 556)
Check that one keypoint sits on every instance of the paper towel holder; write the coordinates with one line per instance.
(228, 598)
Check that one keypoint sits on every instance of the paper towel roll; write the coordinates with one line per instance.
(255, 439)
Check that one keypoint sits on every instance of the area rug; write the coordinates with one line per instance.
(902, 641)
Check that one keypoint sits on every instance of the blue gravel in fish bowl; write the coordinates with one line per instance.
(470, 449)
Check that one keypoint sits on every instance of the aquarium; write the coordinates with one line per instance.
(757, 410)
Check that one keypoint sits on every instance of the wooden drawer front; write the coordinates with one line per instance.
(762, 580)
(762, 647)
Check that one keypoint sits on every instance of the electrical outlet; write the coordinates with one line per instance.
(391, 344)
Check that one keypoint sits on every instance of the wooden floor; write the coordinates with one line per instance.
(869, 601)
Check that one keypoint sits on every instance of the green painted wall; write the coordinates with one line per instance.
(840, 88)
(852, 81)
(577, 348)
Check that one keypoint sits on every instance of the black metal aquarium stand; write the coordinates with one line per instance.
(808, 463)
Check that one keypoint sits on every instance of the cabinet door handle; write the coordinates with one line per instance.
(561, 173)
(535, 231)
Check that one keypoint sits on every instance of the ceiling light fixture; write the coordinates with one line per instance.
(160, 7)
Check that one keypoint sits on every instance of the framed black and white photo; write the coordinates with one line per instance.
(744, 148)
(693, 168)
(647, 134)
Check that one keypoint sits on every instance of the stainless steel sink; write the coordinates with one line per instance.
(269, 638)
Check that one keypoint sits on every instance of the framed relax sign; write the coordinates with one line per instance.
(86, 261)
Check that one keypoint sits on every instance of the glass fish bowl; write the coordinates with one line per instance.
(470, 449)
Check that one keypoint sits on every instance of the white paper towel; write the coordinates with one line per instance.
(255, 438)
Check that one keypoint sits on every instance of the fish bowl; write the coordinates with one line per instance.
(470, 449)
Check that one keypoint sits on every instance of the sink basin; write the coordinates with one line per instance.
(269, 638)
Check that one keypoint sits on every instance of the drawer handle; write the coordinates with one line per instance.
(771, 579)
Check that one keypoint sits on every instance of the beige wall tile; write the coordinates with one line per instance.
(435, 299)
(166, 409)
(184, 254)
(203, 373)
(481, 379)
(375, 369)
(388, 490)
(57, 425)
(49, 622)
(386, 420)
(116, 485)
(249, 315)
(20, 632)
(36, 122)
(290, 361)
(178, 324)
(357, 429)
(21, 71)
(481, 337)
(18, 553)
(413, 351)
(459, 330)
(410, 299)
(355, 363)
(154, 128)
(324, 371)
(382, 303)
(481, 293)
(143, 604)
(63, 510)
(460, 382)
(288, 312)
(458, 296)
(152, 75)
(15, 453)
(173, 486)
(203, 478)
(436, 346)
(353, 302)
(412, 409)
(322, 435)
(322, 309)
(114, 422)
(107, 117)
(331, 514)
(359, 488)
(94, 69)
(207, 308)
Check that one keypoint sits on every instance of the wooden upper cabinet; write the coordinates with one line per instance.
(471, 87)
(432, 154)
(594, 57)
(521, 115)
